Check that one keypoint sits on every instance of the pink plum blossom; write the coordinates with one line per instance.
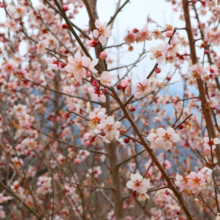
(144, 34)
(97, 94)
(196, 182)
(197, 71)
(106, 78)
(83, 154)
(17, 11)
(182, 182)
(77, 65)
(130, 38)
(101, 32)
(97, 116)
(110, 128)
(8, 68)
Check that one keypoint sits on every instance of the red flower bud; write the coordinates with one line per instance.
(157, 70)
(132, 109)
(95, 83)
(103, 55)
(126, 140)
(93, 43)
(67, 115)
(134, 194)
(181, 127)
(118, 86)
(65, 7)
(147, 175)
(135, 30)
(169, 34)
(64, 26)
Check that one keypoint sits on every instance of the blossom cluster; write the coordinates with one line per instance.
(197, 71)
(194, 182)
(78, 66)
(166, 52)
(105, 128)
(146, 87)
(61, 148)
(163, 139)
(138, 35)
(101, 32)
(140, 185)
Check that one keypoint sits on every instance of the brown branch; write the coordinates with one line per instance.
(62, 93)
(74, 146)
(153, 156)
(200, 84)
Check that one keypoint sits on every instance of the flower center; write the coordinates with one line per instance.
(157, 54)
(196, 180)
(137, 184)
(109, 127)
(166, 137)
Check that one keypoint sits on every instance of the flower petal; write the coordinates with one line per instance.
(117, 125)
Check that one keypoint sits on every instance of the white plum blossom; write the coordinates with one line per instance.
(106, 78)
(181, 182)
(207, 174)
(101, 32)
(97, 116)
(141, 89)
(97, 94)
(143, 196)
(4, 198)
(77, 65)
(11, 24)
(44, 185)
(95, 172)
(213, 142)
(158, 35)
(96, 139)
(163, 195)
(197, 71)
(41, 47)
(162, 138)
(90, 64)
(138, 183)
(146, 87)
(17, 11)
(83, 154)
(166, 137)
(111, 215)
(54, 64)
(170, 50)
(152, 137)
(157, 53)
(110, 128)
